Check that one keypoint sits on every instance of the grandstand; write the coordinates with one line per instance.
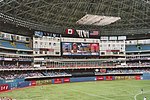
(63, 41)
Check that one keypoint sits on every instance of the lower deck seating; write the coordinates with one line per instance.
(14, 45)
(137, 47)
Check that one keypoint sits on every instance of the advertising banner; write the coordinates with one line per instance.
(126, 77)
(122, 77)
(3, 87)
(117, 77)
(57, 81)
(132, 77)
(33, 83)
(23, 84)
(138, 77)
(109, 78)
(43, 82)
(66, 80)
(99, 78)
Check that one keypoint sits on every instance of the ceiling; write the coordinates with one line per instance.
(57, 15)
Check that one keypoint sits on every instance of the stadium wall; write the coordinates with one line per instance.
(146, 76)
(21, 83)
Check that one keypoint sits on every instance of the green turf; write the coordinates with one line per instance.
(100, 90)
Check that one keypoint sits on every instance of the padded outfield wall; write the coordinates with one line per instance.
(21, 83)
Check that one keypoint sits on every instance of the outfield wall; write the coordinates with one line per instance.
(146, 76)
(20, 83)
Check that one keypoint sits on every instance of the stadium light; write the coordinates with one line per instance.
(98, 20)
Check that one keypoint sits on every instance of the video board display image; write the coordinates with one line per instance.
(80, 48)
(66, 48)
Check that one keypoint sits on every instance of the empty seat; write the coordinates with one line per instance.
(6, 44)
(22, 46)
(131, 48)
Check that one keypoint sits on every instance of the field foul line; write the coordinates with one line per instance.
(139, 94)
(90, 94)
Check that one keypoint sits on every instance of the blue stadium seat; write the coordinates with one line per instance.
(137, 48)
(22, 46)
(6, 44)
(131, 48)
(145, 47)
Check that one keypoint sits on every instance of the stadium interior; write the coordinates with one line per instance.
(65, 40)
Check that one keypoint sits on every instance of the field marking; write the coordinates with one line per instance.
(90, 94)
(139, 94)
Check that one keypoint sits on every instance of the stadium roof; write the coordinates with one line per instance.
(57, 15)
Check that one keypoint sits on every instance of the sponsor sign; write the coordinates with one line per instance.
(57, 80)
(109, 78)
(66, 80)
(43, 82)
(138, 77)
(99, 78)
(3, 87)
(33, 83)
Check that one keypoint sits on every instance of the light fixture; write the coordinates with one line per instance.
(97, 20)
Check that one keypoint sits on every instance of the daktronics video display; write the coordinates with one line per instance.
(80, 48)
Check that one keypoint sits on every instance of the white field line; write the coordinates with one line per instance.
(139, 94)
(90, 94)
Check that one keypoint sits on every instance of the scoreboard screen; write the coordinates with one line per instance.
(80, 48)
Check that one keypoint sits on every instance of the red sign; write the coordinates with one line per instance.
(109, 78)
(57, 81)
(115, 50)
(3, 87)
(112, 50)
(99, 78)
(66, 80)
(33, 83)
(138, 77)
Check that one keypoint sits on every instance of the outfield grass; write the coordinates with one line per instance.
(98, 90)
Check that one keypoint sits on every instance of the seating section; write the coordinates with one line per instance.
(145, 47)
(14, 45)
(125, 71)
(45, 74)
(137, 48)
(22, 46)
(17, 75)
(6, 44)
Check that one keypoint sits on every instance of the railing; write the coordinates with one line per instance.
(48, 76)
(35, 69)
